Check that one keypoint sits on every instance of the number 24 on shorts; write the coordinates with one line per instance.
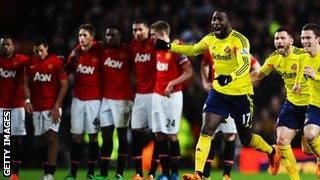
(170, 123)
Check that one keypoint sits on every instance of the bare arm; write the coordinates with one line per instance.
(62, 92)
(204, 71)
(26, 90)
(187, 73)
(257, 76)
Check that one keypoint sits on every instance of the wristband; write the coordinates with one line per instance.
(27, 101)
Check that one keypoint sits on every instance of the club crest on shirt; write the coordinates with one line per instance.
(94, 59)
(50, 66)
(294, 66)
(122, 55)
(168, 55)
(227, 50)
(15, 62)
(148, 47)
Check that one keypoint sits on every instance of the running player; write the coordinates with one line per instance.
(232, 89)
(285, 61)
(228, 128)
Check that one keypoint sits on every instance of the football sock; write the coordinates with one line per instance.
(137, 151)
(289, 162)
(164, 157)
(315, 146)
(105, 154)
(202, 151)
(155, 159)
(207, 166)
(175, 156)
(228, 155)
(93, 156)
(122, 150)
(75, 158)
(260, 145)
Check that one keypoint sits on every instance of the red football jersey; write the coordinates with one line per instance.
(11, 81)
(206, 56)
(144, 55)
(44, 77)
(168, 68)
(87, 67)
(117, 66)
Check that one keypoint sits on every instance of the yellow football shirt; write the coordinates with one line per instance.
(231, 57)
(314, 84)
(287, 67)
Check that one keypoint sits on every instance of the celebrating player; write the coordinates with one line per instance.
(228, 128)
(285, 61)
(232, 89)
(310, 39)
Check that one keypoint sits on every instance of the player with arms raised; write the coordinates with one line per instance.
(232, 89)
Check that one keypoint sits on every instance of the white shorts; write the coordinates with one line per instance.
(42, 122)
(115, 112)
(227, 127)
(141, 111)
(18, 127)
(166, 113)
(84, 116)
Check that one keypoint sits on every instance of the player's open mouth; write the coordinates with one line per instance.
(280, 47)
(216, 28)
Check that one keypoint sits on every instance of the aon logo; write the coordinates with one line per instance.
(142, 57)
(7, 74)
(85, 69)
(113, 63)
(42, 77)
(162, 66)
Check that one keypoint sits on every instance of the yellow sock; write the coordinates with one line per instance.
(315, 146)
(259, 144)
(202, 151)
(289, 162)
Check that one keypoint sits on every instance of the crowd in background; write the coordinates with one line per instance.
(189, 20)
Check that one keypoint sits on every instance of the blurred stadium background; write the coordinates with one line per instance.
(58, 20)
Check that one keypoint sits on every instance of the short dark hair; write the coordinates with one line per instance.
(313, 27)
(89, 27)
(161, 26)
(40, 41)
(141, 21)
(113, 26)
(281, 29)
(8, 36)
(228, 14)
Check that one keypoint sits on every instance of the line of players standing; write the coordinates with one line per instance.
(102, 98)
